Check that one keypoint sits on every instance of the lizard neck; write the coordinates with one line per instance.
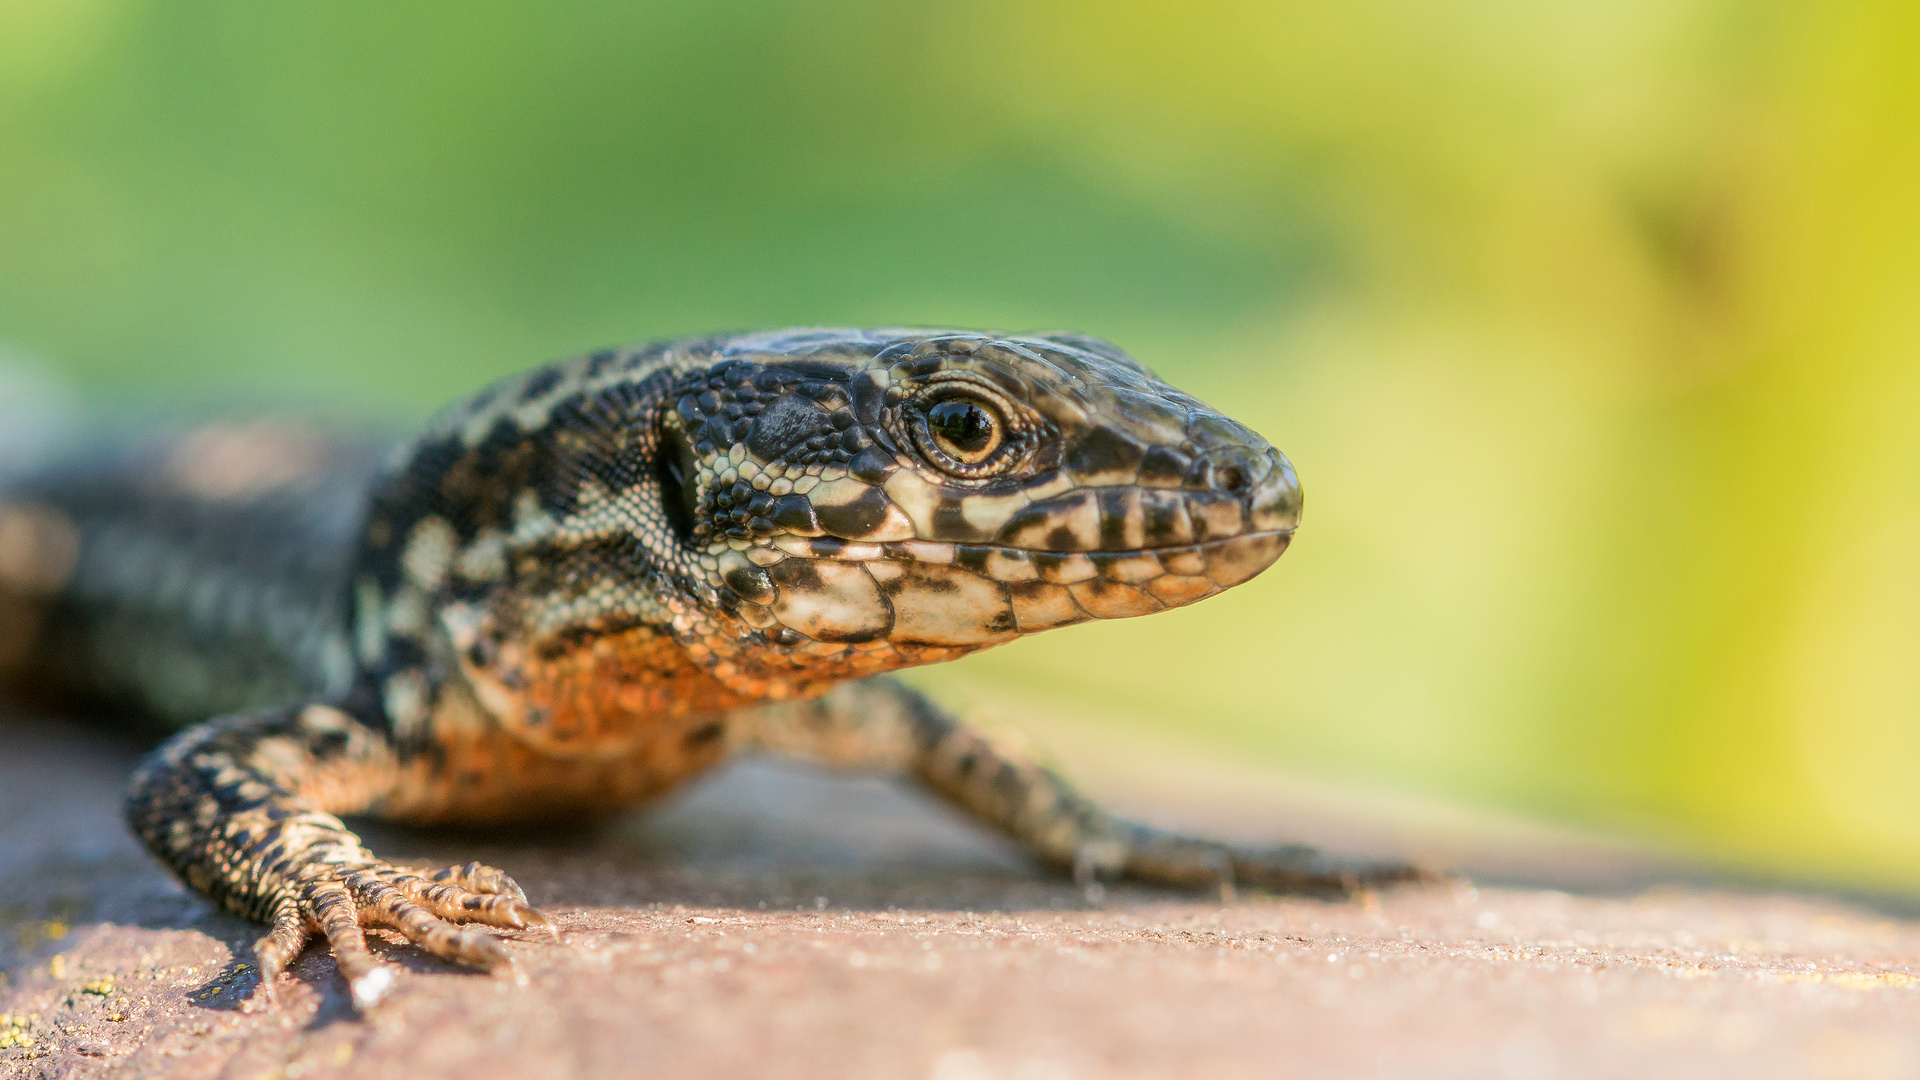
(518, 566)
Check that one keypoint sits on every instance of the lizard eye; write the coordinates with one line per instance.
(968, 431)
(963, 432)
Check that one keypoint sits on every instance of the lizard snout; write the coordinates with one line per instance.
(1272, 499)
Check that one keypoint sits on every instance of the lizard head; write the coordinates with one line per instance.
(872, 499)
(695, 524)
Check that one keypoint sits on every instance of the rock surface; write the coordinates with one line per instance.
(779, 924)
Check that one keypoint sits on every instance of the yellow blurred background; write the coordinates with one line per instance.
(1593, 327)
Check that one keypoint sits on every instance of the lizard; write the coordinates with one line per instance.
(590, 582)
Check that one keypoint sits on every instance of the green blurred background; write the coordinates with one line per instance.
(1592, 325)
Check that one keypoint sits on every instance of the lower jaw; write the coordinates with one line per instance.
(941, 600)
(1224, 563)
(1228, 561)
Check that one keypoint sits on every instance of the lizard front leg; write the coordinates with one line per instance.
(882, 724)
(243, 810)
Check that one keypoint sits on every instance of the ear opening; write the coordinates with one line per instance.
(675, 467)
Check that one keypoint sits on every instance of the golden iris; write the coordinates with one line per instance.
(966, 430)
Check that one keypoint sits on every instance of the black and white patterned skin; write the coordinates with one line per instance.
(595, 580)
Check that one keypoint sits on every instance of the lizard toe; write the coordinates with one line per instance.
(475, 893)
(277, 949)
(329, 904)
(475, 877)
(386, 899)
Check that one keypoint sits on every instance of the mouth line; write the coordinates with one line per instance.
(903, 550)
(1200, 544)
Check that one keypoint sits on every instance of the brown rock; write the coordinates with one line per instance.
(779, 924)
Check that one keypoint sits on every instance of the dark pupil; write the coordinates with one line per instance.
(965, 425)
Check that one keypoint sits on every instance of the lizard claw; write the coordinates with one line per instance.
(371, 986)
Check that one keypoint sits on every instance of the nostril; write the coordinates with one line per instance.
(1231, 479)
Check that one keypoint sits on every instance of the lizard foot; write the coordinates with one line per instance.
(1300, 868)
(1170, 859)
(337, 902)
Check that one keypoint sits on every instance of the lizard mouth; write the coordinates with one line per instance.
(1008, 563)
(1018, 564)
(1028, 590)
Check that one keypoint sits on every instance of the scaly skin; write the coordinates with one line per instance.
(598, 579)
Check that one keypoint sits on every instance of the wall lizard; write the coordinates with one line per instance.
(595, 580)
